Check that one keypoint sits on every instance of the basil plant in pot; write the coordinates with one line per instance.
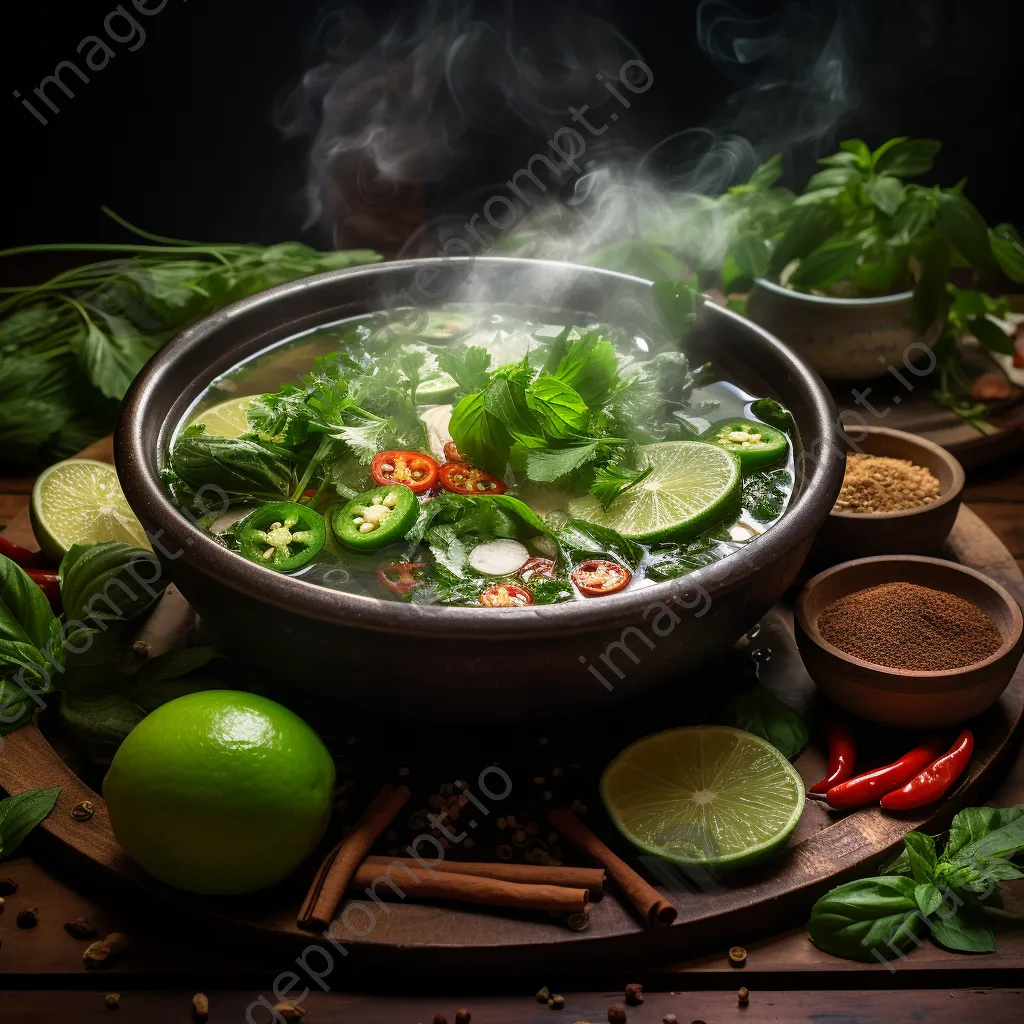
(853, 273)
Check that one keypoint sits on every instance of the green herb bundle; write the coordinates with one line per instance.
(948, 897)
(100, 322)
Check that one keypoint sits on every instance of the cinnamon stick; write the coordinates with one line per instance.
(654, 907)
(491, 892)
(336, 872)
(591, 879)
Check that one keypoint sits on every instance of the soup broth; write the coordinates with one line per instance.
(547, 462)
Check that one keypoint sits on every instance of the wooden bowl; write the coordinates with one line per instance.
(902, 697)
(915, 531)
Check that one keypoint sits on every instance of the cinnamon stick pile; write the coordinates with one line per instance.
(560, 890)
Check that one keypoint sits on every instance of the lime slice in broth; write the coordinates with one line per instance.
(704, 795)
(80, 501)
(226, 419)
(691, 486)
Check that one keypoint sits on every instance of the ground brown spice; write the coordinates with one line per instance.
(903, 625)
(874, 483)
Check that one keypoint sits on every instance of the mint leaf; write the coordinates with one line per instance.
(558, 408)
(21, 813)
(466, 366)
(545, 465)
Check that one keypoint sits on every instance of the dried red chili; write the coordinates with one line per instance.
(21, 556)
(929, 785)
(871, 786)
(842, 752)
(48, 581)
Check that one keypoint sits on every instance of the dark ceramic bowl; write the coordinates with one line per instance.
(472, 663)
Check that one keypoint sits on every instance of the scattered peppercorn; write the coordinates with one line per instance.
(743, 995)
(543, 994)
(440, 1018)
(463, 1016)
(112, 999)
(83, 811)
(557, 1002)
(80, 928)
(616, 1014)
(634, 994)
(737, 956)
(28, 917)
(200, 1008)
(290, 1011)
(903, 625)
(8, 886)
(874, 483)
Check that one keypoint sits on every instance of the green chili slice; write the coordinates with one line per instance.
(281, 535)
(375, 518)
(753, 442)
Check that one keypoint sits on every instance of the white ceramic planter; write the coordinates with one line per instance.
(843, 339)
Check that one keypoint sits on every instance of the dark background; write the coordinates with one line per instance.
(178, 136)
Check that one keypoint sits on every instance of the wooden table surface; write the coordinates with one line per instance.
(790, 980)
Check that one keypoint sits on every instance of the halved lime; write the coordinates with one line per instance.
(691, 485)
(226, 419)
(79, 501)
(437, 387)
(704, 795)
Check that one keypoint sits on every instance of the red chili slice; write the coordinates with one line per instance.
(597, 577)
(542, 567)
(401, 577)
(506, 595)
(463, 479)
(414, 469)
(451, 453)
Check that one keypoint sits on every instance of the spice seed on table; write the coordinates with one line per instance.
(616, 1014)
(112, 999)
(906, 626)
(80, 928)
(557, 1002)
(543, 994)
(737, 956)
(876, 483)
(200, 1008)
(634, 994)
(28, 917)
(8, 886)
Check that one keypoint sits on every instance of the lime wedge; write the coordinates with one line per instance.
(436, 388)
(704, 795)
(79, 501)
(226, 419)
(691, 485)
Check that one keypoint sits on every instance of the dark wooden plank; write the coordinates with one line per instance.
(768, 1006)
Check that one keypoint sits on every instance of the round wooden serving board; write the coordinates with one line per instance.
(827, 847)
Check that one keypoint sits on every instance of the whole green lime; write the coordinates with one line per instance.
(220, 792)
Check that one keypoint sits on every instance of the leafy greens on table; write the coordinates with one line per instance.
(923, 893)
(102, 321)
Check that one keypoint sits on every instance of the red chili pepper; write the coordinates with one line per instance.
(842, 752)
(927, 786)
(868, 788)
(22, 556)
(48, 581)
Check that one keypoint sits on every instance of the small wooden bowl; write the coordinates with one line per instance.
(915, 531)
(902, 697)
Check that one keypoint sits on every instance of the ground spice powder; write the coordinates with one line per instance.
(875, 483)
(903, 625)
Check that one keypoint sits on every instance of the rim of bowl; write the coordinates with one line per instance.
(828, 300)
(1008, 644)
(145, 493)
(953, 492)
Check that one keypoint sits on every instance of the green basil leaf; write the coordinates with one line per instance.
(479, 436)
(545, 465)
(505, 400)
(991, 335)
(829, 263)
(906, 158)
(973, 824)
(97, 723)
(911, 219)
(590, 366)
(806, 232)
(559, 409)
(751, 255)
(834, 177)
(921, 856)
(25, 676)
(963, 929)
(466, 366)
(877, 914)
(886, 193)
(930, 295)
(959, 221)
(109, 581)
(928, 898)
(171, 665)
(21, 813)
(1005, 841)
(767, 173)
(764, 494)
(1008, 249)
(763, 714)
(859, 149)
(25, 613)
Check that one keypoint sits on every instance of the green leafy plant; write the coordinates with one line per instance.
(102, 321)
(948, 897)
(21, 813)
(762, 713)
